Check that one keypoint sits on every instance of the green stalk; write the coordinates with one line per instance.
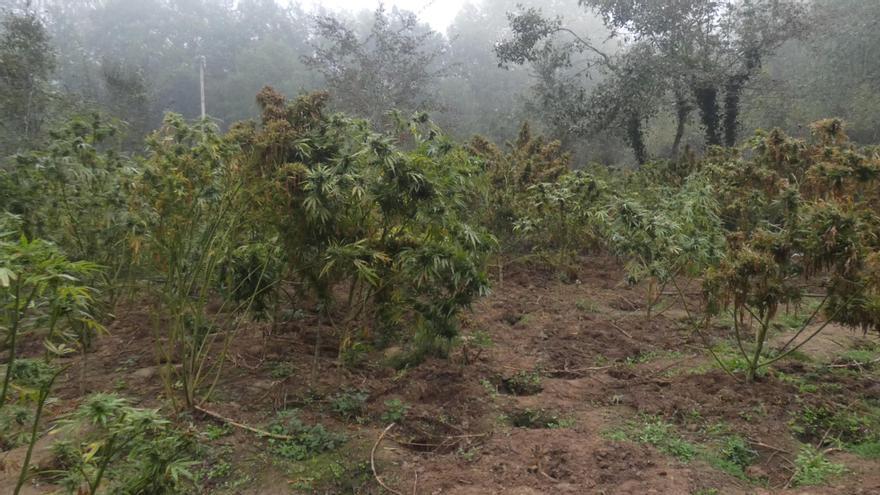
(93, 486)
(41, 401)
(13, 336)
(759, 346)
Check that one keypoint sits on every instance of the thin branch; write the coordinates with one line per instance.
(373, 460)
(806, 323)
(589, 46)
(262, 433)
(624, 332)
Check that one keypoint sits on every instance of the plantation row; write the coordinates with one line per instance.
(387, 238)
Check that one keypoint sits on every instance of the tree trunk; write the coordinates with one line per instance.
(707, 100)
(637, 138)
(732, 95)
(683, 111)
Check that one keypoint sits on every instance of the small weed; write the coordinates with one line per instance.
(218, 470)
(821, 422)
(539, 418)
(737, 450)
(395, 411)
(803, 385)
(524, 321)
(354, 355)
(729, 453)
(490, 387)
(473, 345)
(481, 338)
(791, 320)
(717, 430)
(813, 468)
(866, 450)
(329, 472)
(601, 360)
(469, 454)
(694, 416)
(522, 383)
(617, 435)
(280, 370)
(757, 411)
(308, 440)
(734, 361)
(349, 405)
(215, 432)
(862, 357)
(587, 306)
(126, 364)
(648, 356)
(662, 435)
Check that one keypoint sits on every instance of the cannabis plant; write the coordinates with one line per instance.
(789, 225)
(112, 446)
(74, 193)
(41, 294)
(352, 210)
(187, 202)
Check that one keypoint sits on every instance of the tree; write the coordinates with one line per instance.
(833, 72)
(621, 101)
(478, 96)
(699, 50)
(394, 66)
(26, 64)
(712, 47)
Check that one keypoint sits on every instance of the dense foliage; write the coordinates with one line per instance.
(350, 208)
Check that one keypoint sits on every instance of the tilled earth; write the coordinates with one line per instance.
(570, 363)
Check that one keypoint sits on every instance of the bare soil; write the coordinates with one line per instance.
(600, 365)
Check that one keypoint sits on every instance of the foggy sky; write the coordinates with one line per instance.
(438, 13)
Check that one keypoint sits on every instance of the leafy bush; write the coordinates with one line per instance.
(122, 449)
(74, 193)
(187, 204)
(308, 440)
(14, 419)
(663, 233)
(395, 411)
(351, 209)
(41, 292)
(510, 174)
(561, 219)
(812, 467)
(349, 404)
(786, 224)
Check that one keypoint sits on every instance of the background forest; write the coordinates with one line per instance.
(133, 61)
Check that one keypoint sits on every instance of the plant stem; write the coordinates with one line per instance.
(41, 401)
(103, 467)
(13, 335)
(759, 346)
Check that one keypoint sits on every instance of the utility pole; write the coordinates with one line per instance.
(202, 83)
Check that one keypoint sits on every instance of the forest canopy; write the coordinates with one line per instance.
(617, 81)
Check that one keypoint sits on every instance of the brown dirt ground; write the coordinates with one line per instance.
(602, 363)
